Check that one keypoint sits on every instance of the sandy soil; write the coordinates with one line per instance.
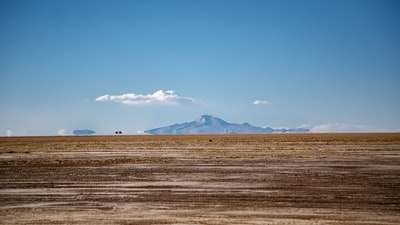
(201, 179)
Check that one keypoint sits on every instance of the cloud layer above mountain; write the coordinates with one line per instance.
(339, 127)
(157, 98)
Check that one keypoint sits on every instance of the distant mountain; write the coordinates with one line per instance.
(83, 132)
(291, 130)
(207, 124)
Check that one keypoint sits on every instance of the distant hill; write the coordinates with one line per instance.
(207, 124)
(83, 132)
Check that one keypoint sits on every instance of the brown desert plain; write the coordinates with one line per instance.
(201, 179)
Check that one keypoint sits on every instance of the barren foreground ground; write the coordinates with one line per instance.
(201, 179)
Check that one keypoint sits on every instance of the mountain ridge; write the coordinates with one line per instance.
(84, 132)
(208, 124)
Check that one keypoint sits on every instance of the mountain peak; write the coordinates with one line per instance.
(204, 118)
(210, 120)
(208, 124)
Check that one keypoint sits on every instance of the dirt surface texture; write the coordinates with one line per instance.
(201, 179)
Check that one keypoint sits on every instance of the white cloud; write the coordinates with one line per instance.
(340, 127)
(261, 102)
(157, 98)
(306, 126)
(63, 132)
(9, 133)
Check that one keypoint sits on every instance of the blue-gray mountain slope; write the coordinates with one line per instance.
(211, 125)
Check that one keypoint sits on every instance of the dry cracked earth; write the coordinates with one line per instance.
(201, 179)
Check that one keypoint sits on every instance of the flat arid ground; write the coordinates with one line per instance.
(201, 179)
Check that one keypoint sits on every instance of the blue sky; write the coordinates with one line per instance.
(325, 65)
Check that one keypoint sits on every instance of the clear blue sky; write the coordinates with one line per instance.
(327, 65)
